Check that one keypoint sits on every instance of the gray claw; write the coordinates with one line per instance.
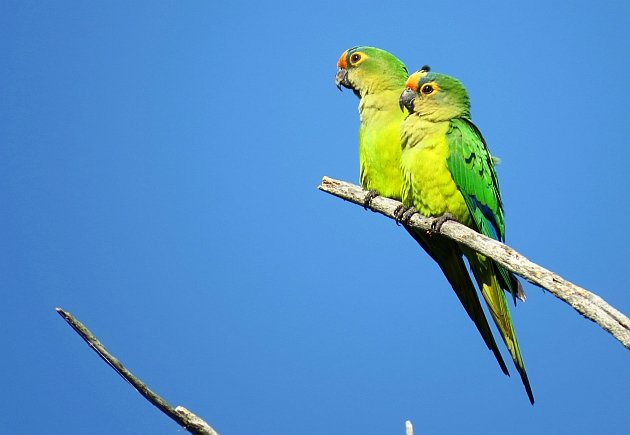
(407, 215)
(367, 202)
(437, 223)
(402, 214)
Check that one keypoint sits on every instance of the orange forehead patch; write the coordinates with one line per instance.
(341, 63)
(412, 81)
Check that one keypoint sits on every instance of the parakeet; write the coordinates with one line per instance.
(448, 172)
(378, 79)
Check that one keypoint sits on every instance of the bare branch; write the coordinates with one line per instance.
(181, 415)
(584, 302)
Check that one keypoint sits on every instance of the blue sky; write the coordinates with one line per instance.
(159, 170)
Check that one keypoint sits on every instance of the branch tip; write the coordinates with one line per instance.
(408, 428)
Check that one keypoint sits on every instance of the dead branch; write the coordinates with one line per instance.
(584, 302)
(181, 415)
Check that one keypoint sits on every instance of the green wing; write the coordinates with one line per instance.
(472, 169)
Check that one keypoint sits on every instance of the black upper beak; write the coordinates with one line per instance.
(341, 79)
(406, 100)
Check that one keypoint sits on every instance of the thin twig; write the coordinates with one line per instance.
(584, 302)
(408, 428)
(181, 415)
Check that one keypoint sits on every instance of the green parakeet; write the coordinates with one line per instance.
(378, 79)
(448, 172)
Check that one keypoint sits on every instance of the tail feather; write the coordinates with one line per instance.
(509, 283)
(487, 278)
(449, 257)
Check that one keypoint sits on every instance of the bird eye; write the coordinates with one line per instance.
(427, 89)
(355, 58)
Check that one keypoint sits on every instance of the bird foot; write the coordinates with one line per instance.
(367, 202)
(402, 214)
(398, 212)
(437, 223)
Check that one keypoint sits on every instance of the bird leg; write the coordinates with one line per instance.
(398, 212)
(437, 223)
(367, 202)
(402, 214)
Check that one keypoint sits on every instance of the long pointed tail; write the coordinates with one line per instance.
(449, 257)
(509, 283)
(488, 281)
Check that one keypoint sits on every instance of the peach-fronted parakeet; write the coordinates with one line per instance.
(449, 172)
(378, 78)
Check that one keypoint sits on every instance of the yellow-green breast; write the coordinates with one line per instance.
(428, 185)
(379, 143)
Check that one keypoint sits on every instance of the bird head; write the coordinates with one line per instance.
(369, 69)
(434, 96)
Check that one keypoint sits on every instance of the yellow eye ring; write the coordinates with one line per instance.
(427, 89)
(357, 58)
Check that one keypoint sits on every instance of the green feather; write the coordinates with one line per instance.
(378, 80)
(447, 168)
(472, 168)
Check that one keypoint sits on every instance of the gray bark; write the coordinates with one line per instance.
(584, 302)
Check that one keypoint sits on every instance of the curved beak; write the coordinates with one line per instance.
(341, 79)
(406, 100)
